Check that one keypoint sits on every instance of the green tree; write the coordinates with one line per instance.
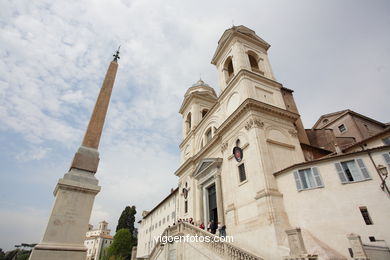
(2, 254)
(127, 219)
(121, 246)
(11, 254)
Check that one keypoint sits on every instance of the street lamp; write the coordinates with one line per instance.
(383, 171)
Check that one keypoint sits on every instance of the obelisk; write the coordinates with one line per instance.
(76, 191)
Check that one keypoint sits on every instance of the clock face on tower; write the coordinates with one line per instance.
(238, 154)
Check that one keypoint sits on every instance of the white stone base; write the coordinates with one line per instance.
(65, 231)
(60, 254)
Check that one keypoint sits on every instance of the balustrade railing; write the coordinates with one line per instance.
(224, 249)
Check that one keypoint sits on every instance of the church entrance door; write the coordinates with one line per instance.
(212, 199)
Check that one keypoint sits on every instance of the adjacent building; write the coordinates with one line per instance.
(283, 191)
(154, 222)
(97, 240)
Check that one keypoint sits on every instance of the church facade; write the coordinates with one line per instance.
(282, 191)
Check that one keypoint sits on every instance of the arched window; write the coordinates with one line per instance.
(204, 112)
(253, 62)
(208, 135)
(229, 70)
(188, 123)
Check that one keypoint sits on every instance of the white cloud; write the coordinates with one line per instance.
(35, 153)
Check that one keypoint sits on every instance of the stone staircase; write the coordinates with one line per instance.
(220, 250)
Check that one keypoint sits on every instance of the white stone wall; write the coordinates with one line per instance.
(330, 213)
(95, 245)
(155, 223)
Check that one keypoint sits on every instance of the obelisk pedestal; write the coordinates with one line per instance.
(65, 232)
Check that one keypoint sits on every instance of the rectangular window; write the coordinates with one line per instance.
(241, 172)
(185, 206)
(386, 140)
(366, 215)
(351, 171)
(342, 128)
(308, 178)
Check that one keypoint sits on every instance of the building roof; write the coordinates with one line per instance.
(200, 90)
(385, 131)
(341, 113)
(161, 202)
(242, 31)
(101, 236)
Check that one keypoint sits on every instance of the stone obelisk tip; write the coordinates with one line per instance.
(87, 157)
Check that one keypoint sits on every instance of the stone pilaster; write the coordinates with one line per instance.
(297, 246)
(357, 247)
(218, 189)
(200, 204)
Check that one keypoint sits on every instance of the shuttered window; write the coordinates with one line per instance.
(387, 159)
(352, 171)
(308, 179)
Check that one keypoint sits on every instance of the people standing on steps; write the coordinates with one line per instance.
(213, 227)
(201, 226)
(221, 230)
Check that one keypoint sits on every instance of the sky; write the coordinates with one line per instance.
(54, 54)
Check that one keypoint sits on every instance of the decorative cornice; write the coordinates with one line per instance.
(189, 135)
(192, 160)
(188, 163)
(187, 100)
(290, 146)
(267, 193)
(252, 104)
(233, 82)
(244, 72)
(233, 36)
(248, 105)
